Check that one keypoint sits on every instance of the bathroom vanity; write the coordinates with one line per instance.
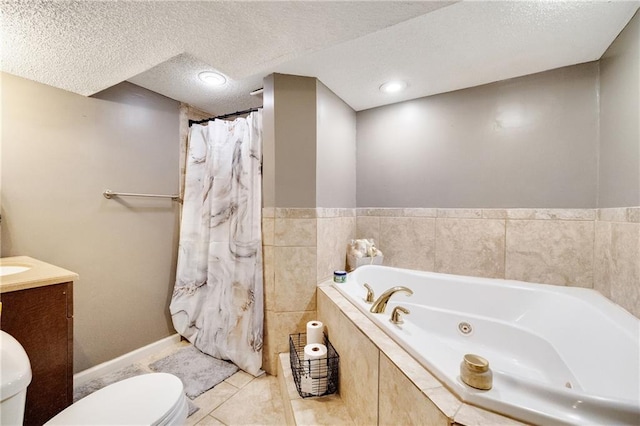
(37, 310)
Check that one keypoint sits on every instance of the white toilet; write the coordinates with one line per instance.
(15, 376)
(148, 399)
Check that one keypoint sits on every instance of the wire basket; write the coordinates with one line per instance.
(315, 377)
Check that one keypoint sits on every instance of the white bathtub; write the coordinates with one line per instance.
(559, 355)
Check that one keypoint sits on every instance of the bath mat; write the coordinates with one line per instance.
(198, 371)
(124, 373)
(97, 384)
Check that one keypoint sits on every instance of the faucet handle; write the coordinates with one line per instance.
(370, 296)
(395, 314)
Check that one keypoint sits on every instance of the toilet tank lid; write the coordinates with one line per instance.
(139, 400)
(15, 369)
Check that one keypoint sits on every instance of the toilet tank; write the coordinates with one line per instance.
(15, 376)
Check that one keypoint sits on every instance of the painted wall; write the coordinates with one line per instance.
(526, 142)
(60, 151)
(620, 120)
(308, 161)
(335, 150)
(294, 129)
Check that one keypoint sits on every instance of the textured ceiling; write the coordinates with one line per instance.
(353, 47)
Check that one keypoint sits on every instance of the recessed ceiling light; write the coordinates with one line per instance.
(393, 86)
(212, 78)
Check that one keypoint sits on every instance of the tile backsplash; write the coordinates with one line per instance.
(591, 248)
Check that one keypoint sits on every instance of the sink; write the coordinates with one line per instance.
(10, 270)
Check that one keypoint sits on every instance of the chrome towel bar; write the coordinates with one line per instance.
(110, 194)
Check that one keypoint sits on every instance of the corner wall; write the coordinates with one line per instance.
(304, 239)
(591, 248)
(619, 184)
(60, 151)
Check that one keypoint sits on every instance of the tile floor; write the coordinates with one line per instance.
(239, 400)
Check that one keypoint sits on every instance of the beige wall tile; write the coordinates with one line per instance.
(268, 230)
(419, 212)
(550, 252)
(295, 279)
(403, 404)
(335, 212)
(470, 415)
(494, 213)
(295, 213)
(470, 247)
(333, 236)
(268, 267)
(328, 410)
(446, 401)
(269, 212)
(552, 214)
(368, 227)
(617, 263)
(278, 326)
(613, 214)
(460, 213)
(358, 362)
(295, 232)
(633, 214)
(380, 212)
(288, 384)
(408, 242)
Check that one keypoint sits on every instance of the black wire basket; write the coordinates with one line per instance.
(313, 377)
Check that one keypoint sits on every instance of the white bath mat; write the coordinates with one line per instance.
(198, 371)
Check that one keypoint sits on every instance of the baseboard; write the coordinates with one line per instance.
(122, 361)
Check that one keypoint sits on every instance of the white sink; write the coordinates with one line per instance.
(10, 270)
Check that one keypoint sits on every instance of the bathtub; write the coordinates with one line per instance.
(565, 356)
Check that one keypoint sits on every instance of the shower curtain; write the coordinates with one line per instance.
(217, 302)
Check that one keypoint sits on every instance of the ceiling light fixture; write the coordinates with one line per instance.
(212, 78)
(393, 86)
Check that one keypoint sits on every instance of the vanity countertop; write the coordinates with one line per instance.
(39, 274)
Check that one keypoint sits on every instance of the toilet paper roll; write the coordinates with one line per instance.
(315, 332)
(315, 357)
(313, 386)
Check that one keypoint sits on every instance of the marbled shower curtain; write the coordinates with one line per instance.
(217, 301)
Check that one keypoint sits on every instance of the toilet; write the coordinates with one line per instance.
(148, 399)
(15, 376)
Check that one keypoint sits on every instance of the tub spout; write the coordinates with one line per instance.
(380, 304)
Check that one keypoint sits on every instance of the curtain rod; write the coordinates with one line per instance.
(246, 111)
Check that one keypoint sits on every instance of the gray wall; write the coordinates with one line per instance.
(309, 145)
(293, 129)
(620, 120)
(526, 142)
(336, 151)
(60, 151)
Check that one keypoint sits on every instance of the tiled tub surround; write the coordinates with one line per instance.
(589, 248)
(527, 332)
(301, 248)
(380, 383)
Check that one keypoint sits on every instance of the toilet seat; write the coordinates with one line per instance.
(148, 399)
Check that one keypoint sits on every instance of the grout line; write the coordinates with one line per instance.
(505, 250)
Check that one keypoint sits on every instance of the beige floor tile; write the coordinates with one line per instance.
(240, 379)
(258, 403)
(210, 400)
(328, 410)
(210, 421)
